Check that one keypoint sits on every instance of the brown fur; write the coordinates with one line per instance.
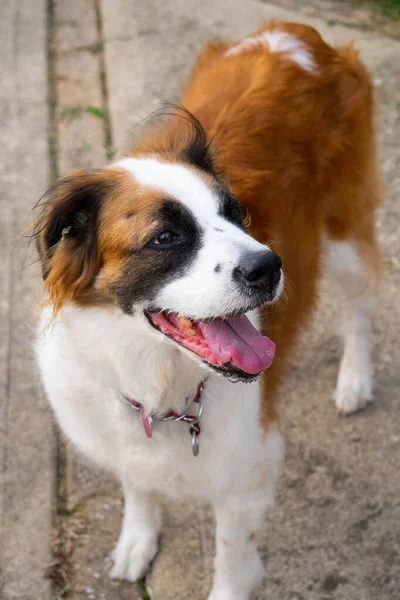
(70, 266)
(126, 220)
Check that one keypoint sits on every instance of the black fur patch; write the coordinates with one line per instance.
(150, 268)
(74, 217)
(229, 208)
(197, 150)
(191, 143)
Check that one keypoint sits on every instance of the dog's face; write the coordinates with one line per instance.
(163, 240)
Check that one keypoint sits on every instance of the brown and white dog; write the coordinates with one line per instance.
(161, 269)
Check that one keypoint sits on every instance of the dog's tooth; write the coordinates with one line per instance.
(185, 321)
(192, 331)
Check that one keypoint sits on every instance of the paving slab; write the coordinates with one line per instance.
(26, 432)
(79, 114)
(334, 533)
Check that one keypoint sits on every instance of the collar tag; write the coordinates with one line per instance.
(147, 421)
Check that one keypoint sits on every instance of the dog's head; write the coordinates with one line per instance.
(161, 236)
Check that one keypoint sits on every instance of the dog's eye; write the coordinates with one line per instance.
(165, 237)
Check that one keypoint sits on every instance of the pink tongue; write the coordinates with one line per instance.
(238, 341)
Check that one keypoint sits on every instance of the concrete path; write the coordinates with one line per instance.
(27, 465)
(335, 533)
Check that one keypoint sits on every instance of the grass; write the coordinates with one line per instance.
(95, 111)
(144, 594)
(388, 8)
(73, 112)
(110, 152)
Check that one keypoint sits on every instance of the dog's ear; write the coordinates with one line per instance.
(67, 234)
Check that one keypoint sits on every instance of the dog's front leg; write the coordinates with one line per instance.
(138, 540)
(237, 567)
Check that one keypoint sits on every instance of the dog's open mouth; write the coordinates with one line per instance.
(231, 345)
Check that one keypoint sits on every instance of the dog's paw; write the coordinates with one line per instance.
(132, 557)
(222, 593)
(353, 392)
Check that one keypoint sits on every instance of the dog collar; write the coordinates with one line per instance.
(148, 419)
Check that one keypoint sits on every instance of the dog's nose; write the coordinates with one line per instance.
(259, 270)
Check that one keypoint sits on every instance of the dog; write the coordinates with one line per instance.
(165, 272)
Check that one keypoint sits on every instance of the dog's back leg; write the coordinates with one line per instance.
(352, 249)
(356, 264)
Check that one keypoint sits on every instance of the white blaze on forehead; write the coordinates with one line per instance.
(277, 41)
(182, 184)
(177, 181)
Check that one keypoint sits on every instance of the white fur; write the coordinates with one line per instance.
(354, 385)
(138, 541)
(277, 41)
(342, 257)
(90, 356)
(86, 357)
(177, 181)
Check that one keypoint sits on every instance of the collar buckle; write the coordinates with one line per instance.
(147, 421)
